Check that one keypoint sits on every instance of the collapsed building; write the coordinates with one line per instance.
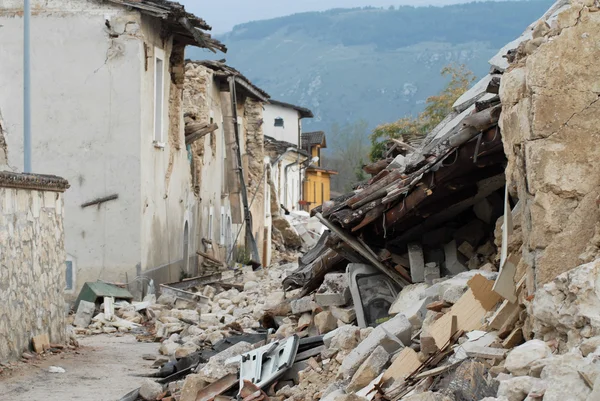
(466, 268)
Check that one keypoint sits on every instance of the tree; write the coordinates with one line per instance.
(348, 149)
(411, 129)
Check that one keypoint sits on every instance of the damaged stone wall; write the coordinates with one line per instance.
(255, 154)
(197, 109)
(3, 147)
(32, 261)
(551, 132)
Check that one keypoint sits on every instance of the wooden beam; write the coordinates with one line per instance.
(353, 242)
(100, 200)
(212, 259)
(198, 133)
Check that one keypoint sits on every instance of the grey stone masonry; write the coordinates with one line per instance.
(32, 261)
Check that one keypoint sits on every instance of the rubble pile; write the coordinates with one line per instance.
(417, 291)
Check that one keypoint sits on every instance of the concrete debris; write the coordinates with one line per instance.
(56, 369)
(520, 360)
(150, 390)
(85, 313)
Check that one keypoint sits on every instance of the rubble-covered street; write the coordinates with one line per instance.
(103, 368)
(465, 267)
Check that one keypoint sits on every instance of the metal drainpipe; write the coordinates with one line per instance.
(26, 87)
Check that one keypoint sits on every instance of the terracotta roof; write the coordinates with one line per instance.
(222, 69)
(310, 139)
(304, 112)
(184, 25)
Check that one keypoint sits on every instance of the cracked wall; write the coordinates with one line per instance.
(3, 146)
(551, 128)
(257, 185)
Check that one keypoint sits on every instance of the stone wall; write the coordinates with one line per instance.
(32, 261)
(551, 129)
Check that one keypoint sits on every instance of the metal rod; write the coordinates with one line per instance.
(26, 88)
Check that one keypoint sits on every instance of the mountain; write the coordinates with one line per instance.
(370, 63)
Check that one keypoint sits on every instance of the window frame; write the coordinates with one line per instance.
(158, 134)
(282, 122)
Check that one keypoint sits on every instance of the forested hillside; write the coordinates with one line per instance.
(371, 64)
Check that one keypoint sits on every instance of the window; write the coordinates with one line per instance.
(279, 122)
(210, 223)
(222, 236)
(186, 248)
(159, 83)
(69, 275)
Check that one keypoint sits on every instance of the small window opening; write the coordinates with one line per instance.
(158, 95)
(279, 122)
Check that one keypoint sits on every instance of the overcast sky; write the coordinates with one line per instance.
(222, 15)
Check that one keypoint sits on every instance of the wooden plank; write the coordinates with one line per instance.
(404, 365)
(505, 282)
(186, 295)
(505, 310)
(514, 338)
(212, 259)
(482, 291)
(215, 389)
(469, 310)
(436, 371)
(477, 351)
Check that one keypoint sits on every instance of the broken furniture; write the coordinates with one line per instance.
(96, 291)
(265, 364)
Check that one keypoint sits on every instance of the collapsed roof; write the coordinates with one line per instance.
(222, 70)
(185, 26)
(458, 164)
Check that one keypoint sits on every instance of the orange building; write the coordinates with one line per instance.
(317, 180)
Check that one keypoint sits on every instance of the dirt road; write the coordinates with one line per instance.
(102, 371)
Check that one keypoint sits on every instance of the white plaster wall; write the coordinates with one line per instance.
(168, 200)
(290, 196)
(86, 123)
(291, 117)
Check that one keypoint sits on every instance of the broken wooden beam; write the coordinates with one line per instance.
(353, 242)
(196, 132)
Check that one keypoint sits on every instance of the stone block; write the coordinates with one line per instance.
(192, 385)
(216, 368)
(417, 262)
(335, 290)
(150, 390)
(520, 359)
(346, 315)
(398, 326)
(331, 339)
(325, 322)
(85, 313)
(302, 305)
(40, 343)
(453, 264)
(409, 295)
(369, 370)
(432, 272)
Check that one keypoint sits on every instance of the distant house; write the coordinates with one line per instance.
(283, 123)
(107, 100)
(288, 163)
(211, 89)
(317, 181)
